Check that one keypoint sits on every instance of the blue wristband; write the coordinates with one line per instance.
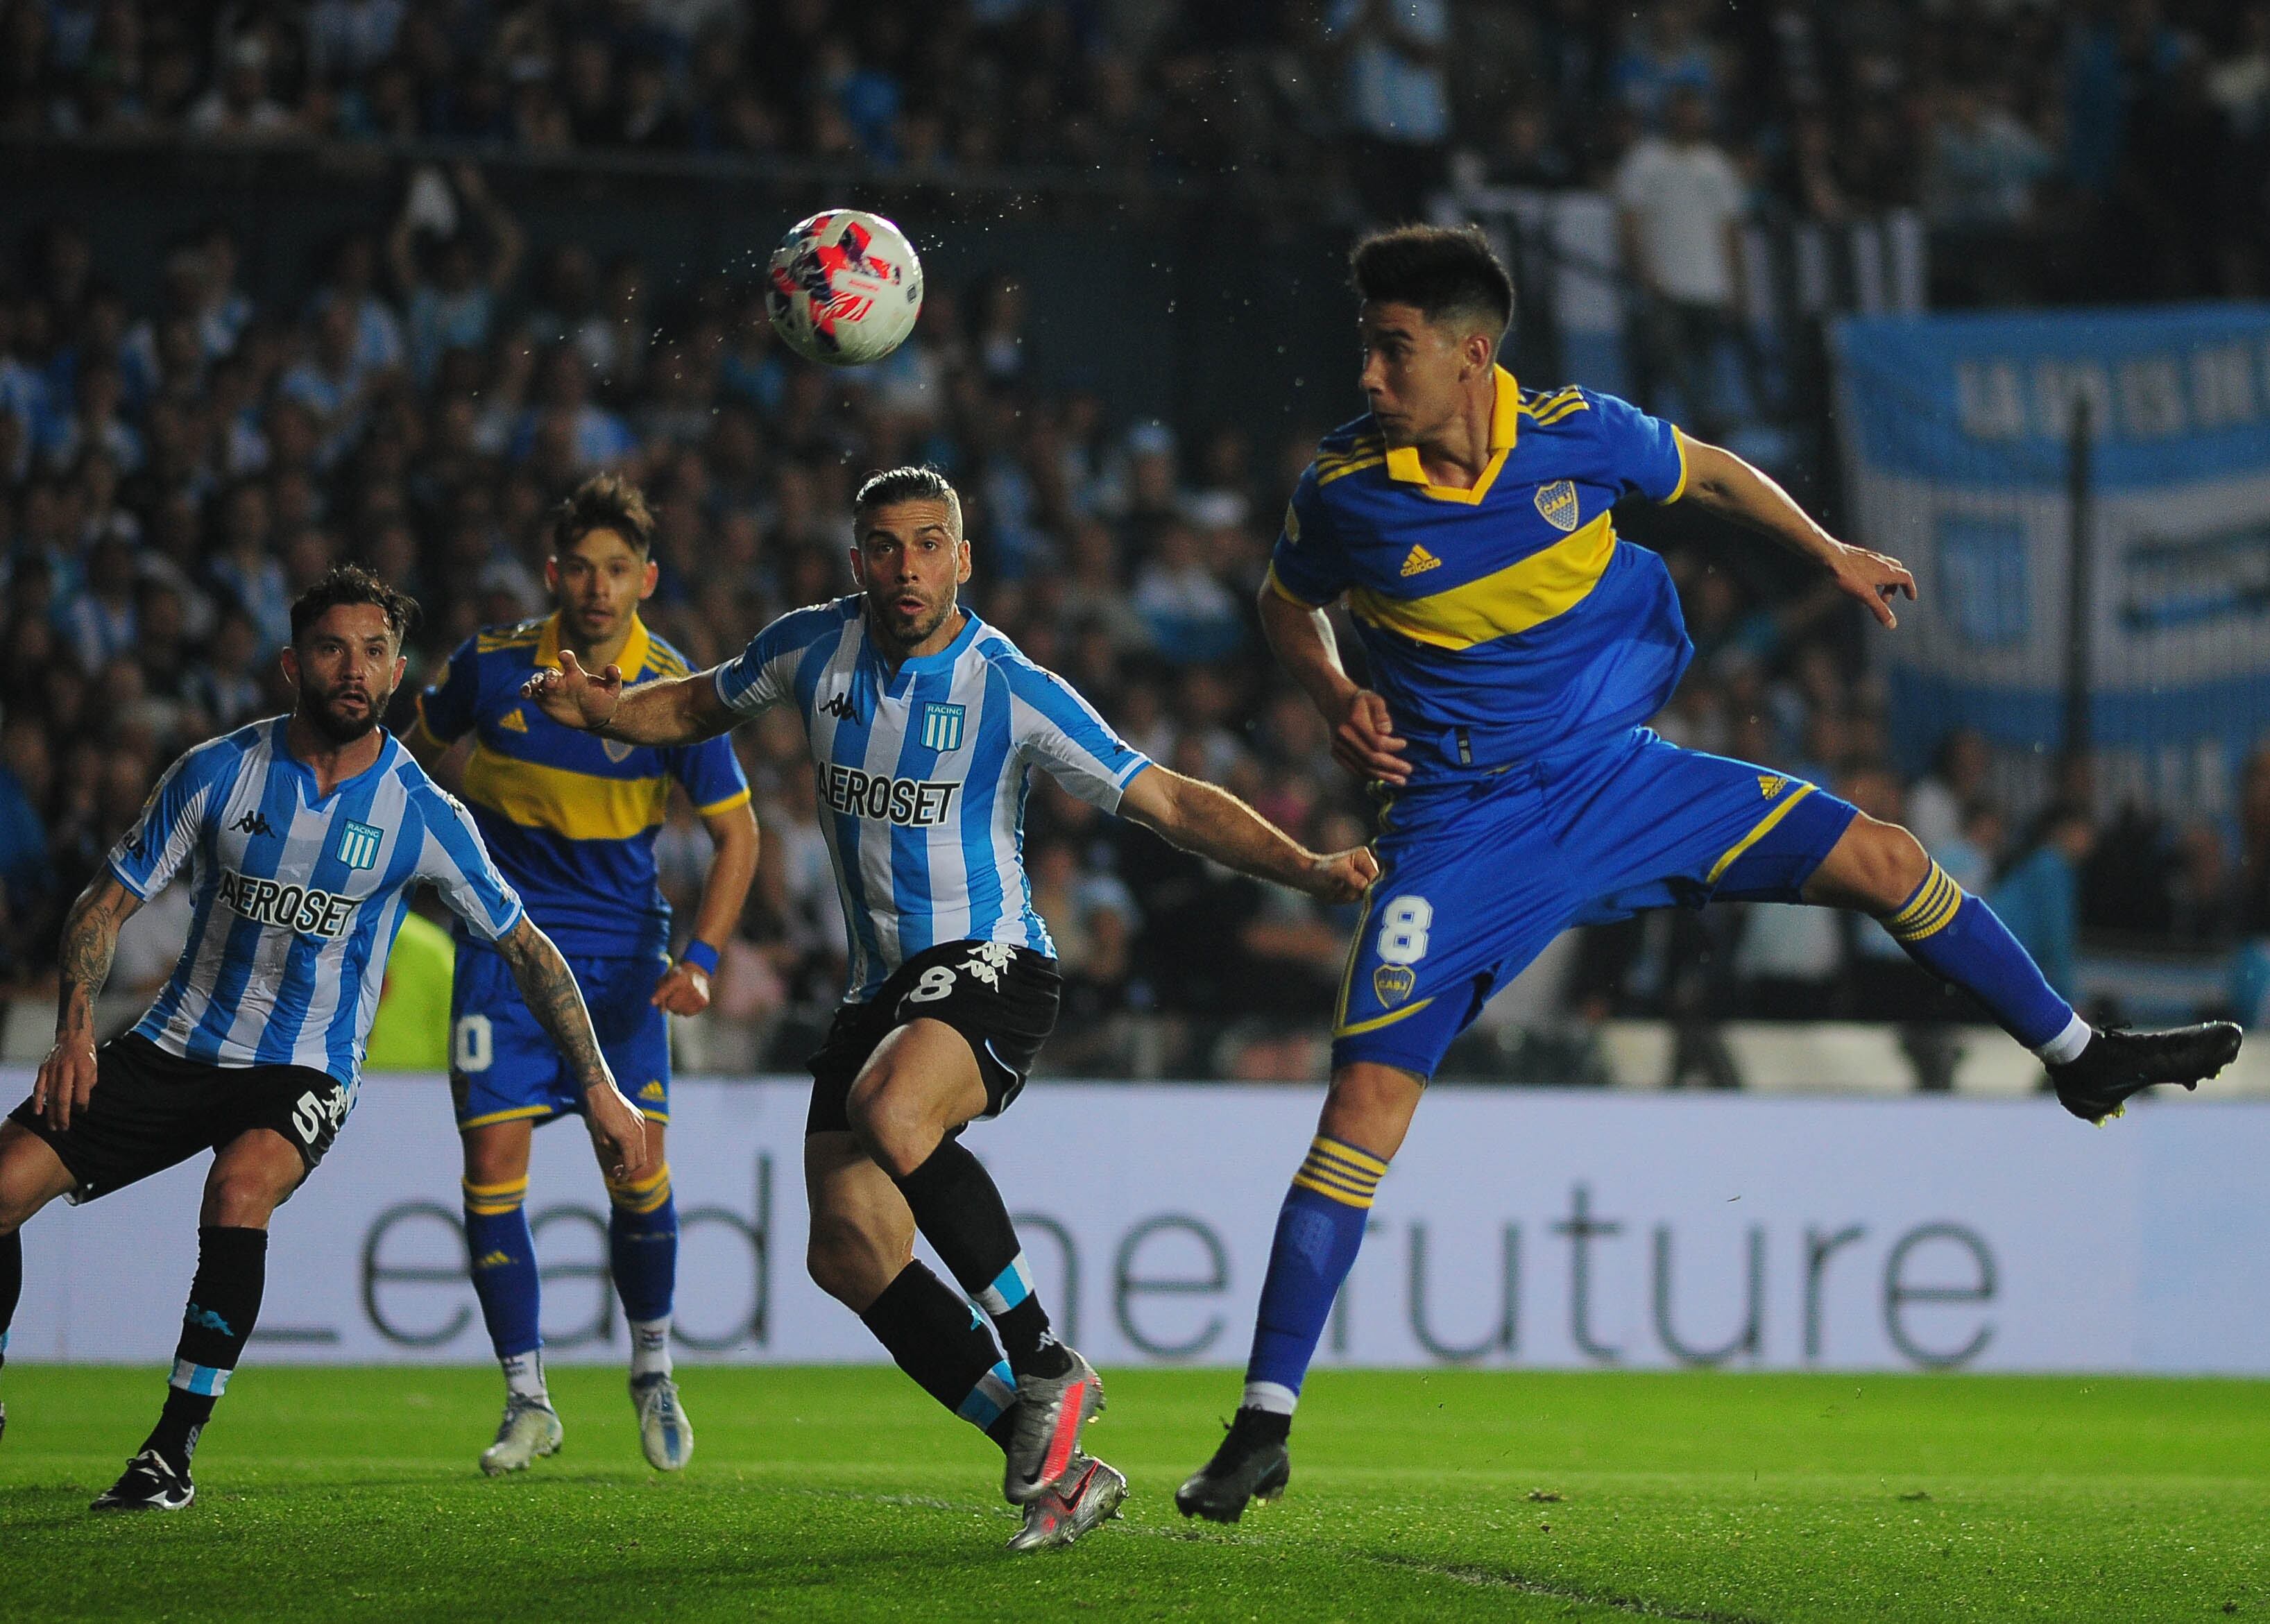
(702, 956)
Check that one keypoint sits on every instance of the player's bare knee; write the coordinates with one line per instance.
(893, 1125)
(243, 1199)
(1890, 864)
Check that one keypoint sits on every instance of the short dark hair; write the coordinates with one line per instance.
(351, 583)
(605, 502)
(893, 486)
(1445, 270)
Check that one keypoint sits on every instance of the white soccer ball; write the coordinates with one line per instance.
(844, 288)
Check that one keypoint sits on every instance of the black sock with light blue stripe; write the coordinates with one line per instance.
(961, 1213)
(224, 1302)
(936, 1337)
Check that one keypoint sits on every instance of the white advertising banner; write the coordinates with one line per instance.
(1518, 1227)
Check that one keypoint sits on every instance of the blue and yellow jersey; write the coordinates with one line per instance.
(1507, 622)
(571, 817)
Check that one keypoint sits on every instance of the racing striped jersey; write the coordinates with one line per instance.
(922, 772)
(295, 896)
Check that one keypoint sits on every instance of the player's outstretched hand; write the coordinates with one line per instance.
(1342, 876)
(1874, 578)
(66, 1080)
(1365, 741)
(684, 991)
(618, 1131)
(573, 697)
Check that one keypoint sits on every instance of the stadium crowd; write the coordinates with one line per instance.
(169, 478)
(170, 475)
(2031, 133)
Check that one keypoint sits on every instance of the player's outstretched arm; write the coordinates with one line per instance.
(550, 988)
(1200, 817)
(677, 710)
(1727, 485)
(90, 939)
(1363, 734)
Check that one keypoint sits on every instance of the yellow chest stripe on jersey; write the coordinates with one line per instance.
(1513, 599)
(577, 805)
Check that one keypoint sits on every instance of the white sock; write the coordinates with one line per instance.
(2067, 1045)
(1273, 1397)
(523, 1376)
(649, 1347)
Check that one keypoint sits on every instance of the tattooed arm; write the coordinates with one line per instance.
(90, 937)
(618, 1131)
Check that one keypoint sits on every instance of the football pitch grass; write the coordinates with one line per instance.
(842, 1494)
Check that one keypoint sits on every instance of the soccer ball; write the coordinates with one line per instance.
(844, 288)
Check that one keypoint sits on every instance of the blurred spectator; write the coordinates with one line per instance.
(1395, 92)
(454, 309)
(1679, 203)
(2039, 899)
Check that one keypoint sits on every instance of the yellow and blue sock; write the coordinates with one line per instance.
(1319, 1230)
(503, 1256)
(1957, 938)
(643, 1249)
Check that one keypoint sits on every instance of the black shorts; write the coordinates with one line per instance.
(1002, 1000)
(150, 1109)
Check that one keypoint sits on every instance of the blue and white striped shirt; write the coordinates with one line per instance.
(295, 898)
(923, 774)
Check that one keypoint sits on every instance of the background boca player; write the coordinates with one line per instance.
(924, 722)
(302, 834)
(572, 820)
(1517, 646)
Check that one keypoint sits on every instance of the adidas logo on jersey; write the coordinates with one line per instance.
(653, 1091)
(1770, 784)
(1419, 562)
(492, 1260)
(513, 722)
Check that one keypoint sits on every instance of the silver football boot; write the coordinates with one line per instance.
(1050, 1411)
(664, 1434)
(529, 1431)
(1089, 1494)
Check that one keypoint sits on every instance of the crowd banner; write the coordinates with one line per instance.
(1958, 435)
(1566, 1229)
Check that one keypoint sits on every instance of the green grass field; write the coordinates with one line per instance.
(842, 1495)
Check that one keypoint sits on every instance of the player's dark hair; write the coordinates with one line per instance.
(1445, 270)
(604, 502)
(351, 583)
(893, 486)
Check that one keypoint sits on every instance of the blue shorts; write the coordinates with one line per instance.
(1478, 876)
(504, 1066)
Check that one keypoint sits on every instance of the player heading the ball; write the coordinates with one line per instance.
(1518, 647)
(925, 723)
(303, 836)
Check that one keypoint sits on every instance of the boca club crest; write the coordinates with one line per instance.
(1393, 982)
(1557, 502)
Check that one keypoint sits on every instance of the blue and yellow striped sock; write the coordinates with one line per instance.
(642, 1251)
(1319, 1230)
(1957, 938)
(502, 1252)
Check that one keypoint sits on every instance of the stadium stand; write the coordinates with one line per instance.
(183, 444)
